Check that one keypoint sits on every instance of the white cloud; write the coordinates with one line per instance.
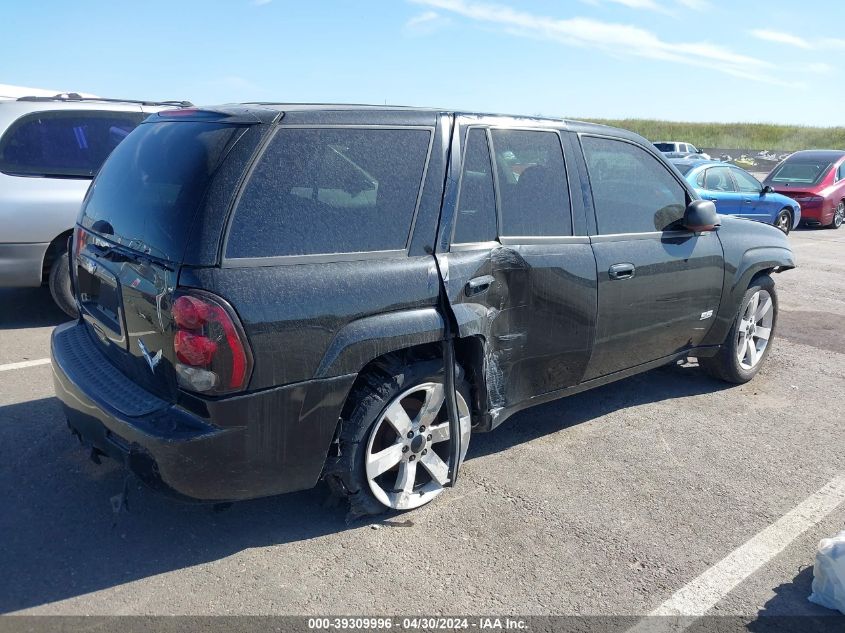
(819, 68)
(426, 22)
(695, 5)
(654, 5)
(649, 5)
(618, 39)
(779, 37)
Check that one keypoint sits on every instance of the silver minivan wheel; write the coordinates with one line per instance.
(407, 456)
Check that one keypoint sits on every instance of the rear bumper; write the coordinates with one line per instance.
(20, 264)
(237, 448)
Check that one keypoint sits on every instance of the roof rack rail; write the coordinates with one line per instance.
(75, 96)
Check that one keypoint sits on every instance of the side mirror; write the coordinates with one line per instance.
(699, 151)
(701, 216)
(767, 189)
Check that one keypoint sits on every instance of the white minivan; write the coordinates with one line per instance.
(50, 149)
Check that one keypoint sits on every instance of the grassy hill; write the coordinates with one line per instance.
(744, 136)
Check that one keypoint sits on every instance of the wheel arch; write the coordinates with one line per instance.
(754, 263)
(55, 248)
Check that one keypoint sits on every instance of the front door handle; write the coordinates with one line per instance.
(478, 285)
(622, 271)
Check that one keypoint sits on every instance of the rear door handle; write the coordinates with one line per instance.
(478, 285)
(622, 271)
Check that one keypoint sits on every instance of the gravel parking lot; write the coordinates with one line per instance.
(608, 502)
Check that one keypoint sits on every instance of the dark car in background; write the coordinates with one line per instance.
(736, 192)
(270, 295)
(816, 180)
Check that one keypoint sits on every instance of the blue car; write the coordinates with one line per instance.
(736, 192)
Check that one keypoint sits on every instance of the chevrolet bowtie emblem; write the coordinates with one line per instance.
(152, 360)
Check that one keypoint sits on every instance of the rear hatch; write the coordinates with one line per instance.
(132, 234)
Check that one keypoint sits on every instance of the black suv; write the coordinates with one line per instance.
(272, 294)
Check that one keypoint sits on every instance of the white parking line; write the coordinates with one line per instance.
(704, 592)
(26, 363)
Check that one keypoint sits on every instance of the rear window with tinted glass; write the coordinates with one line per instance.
(148, 190)
(801, 172)
(70, 144)
(331, 190)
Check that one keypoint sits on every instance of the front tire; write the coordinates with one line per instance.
(749, 340)
(59, 282)
(784, 221)
(393, 451)
(838, 216)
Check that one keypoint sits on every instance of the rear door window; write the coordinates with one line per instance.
(331, 190)
(533, 190)
(64, 143)
(633, 192)
(476, 219)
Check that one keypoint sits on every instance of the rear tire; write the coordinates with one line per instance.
(784, 221)
(838, 216)
(60, 287)
(749, 340)
(381, 444)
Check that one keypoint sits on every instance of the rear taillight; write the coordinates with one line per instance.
(809, 201)
(212, 353)
(80, 238)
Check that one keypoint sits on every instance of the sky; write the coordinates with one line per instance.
(684, 60)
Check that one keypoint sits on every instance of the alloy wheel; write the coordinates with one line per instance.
(784, 221)
(839, 215)
(407, 457)
(755, 329)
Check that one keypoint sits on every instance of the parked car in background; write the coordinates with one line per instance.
(678, 147)
(50, 149)
(274, 294)
(816, 180)
(736, 192)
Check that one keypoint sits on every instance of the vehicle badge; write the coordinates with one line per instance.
(152, 360)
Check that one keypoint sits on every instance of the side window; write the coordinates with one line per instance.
(841, 174)
(700, 179)
(633, 192)
(65, 143)
(534, 195)
(684, 148)
(746, 182)
(476, 219)
(719, 179)
(331, 190)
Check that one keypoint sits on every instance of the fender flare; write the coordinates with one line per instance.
(363, 340)
(737, 279)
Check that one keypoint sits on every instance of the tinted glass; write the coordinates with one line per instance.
(147, 192)
(633, 192)
(532, 183)
(665, 147)
(331, 191)
(64, 143)
(719, 179)
(684, 169)
(699, 179)
(746, 182)
(841, 173)
(476, 220)
(801, 172)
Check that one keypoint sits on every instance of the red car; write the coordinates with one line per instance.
(815, 179)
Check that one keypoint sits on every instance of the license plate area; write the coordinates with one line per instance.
(100, 298)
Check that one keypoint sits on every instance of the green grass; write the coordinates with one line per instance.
(756, 136)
